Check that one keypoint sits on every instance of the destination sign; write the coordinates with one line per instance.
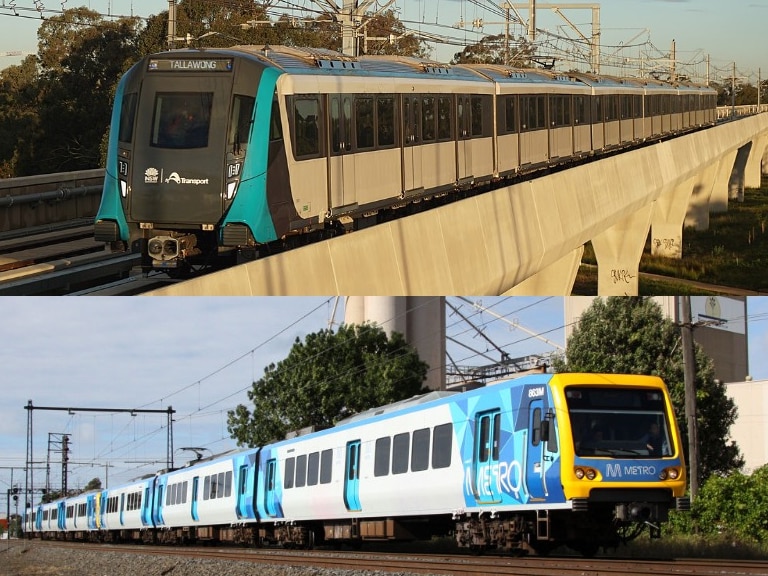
(190, 65)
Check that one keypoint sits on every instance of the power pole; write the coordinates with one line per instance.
(689, 368)
(350, 16)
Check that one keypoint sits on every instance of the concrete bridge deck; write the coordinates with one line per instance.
(527, 238)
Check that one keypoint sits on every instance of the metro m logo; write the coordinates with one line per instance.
(613, 471)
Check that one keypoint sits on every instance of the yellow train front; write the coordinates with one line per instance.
(621, 460)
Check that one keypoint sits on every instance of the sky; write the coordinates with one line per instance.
(199, 356)
(727, 32)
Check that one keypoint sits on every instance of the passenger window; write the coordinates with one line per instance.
(428, 119)
(400, 453)
(381, 456)
(536, 427)
(313, 468)
(364, 122)
(477, 116)
(326, 465)
(442, 445)
(290, 465)
(301, 471)
(306, 125)
(385, 121)
(510, 114)
(420, 450)
(444, 107)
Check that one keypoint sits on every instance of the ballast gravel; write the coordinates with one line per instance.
(27, 558)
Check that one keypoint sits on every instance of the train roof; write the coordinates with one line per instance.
(397, 406)
(321, 60)
(506, 74)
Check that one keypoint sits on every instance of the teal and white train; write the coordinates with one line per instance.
(249, 150)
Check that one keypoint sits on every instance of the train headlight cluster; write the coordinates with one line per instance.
(582, 472)
(671, 473)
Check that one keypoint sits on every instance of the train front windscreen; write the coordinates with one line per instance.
(619, 423)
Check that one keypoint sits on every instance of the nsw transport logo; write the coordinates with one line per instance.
(151, 176)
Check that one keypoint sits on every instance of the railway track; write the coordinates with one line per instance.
(447, 564)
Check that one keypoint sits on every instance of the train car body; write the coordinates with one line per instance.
(240, 149)
(529, 463)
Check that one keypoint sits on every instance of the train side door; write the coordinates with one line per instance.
(537, 458)
(146, 507)
(463, 135)
(61, 517)
(341, 164)
(485, 464)
(270, 496)
(241, 508)
(412, 152)
(352, 477)
(193, 503)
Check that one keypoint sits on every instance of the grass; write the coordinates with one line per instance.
(733, 252)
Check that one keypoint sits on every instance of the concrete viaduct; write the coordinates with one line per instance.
(527, 238)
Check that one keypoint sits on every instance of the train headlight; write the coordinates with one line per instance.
(582, 472)
(231, 189)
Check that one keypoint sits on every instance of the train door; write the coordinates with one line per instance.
(352, 477)
(61, 519)
(341, 165)
(270, 495)
(146, 507)
(193, 503)
(122, 509)
(463, 136)
(412, 152)
(542, 444)
(241, 508)
(485, 461)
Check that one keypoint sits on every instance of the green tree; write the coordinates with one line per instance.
(492, 50)
(18, 114)
(736, 505)
(93, 484)
(326, 378)
(630, 335)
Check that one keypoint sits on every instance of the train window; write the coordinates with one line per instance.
(127, 116)
(638, 106)
(326, 464)
(444, 107)
(169, 494)
(412, 113)
(240, 124)
(462, 117)
(581, 110)
(477, 115)
(428, 119)
(381, 456)
(484, 439)
(301, 471)
(364, 122)
(625, 106)
(228, 484)
(275, 126)
(335, 125)
(560, 110)
(385, 121)
(552, 440)
(313, 468)
(181, 120)
(290, 466)
(420, 450)
(597, 109)
(611, 107)
(510, 114)
(533, 113)
(496, 435)
(306, 112)
(536, 427)
(400, 452)
(442, 445)
(206, 488)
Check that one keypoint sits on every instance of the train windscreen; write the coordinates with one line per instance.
(621, 423)
(181, 120)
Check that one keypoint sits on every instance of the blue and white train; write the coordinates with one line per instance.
(529, 463)
(251, 149)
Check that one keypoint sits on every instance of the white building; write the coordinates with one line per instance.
(750, 431)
